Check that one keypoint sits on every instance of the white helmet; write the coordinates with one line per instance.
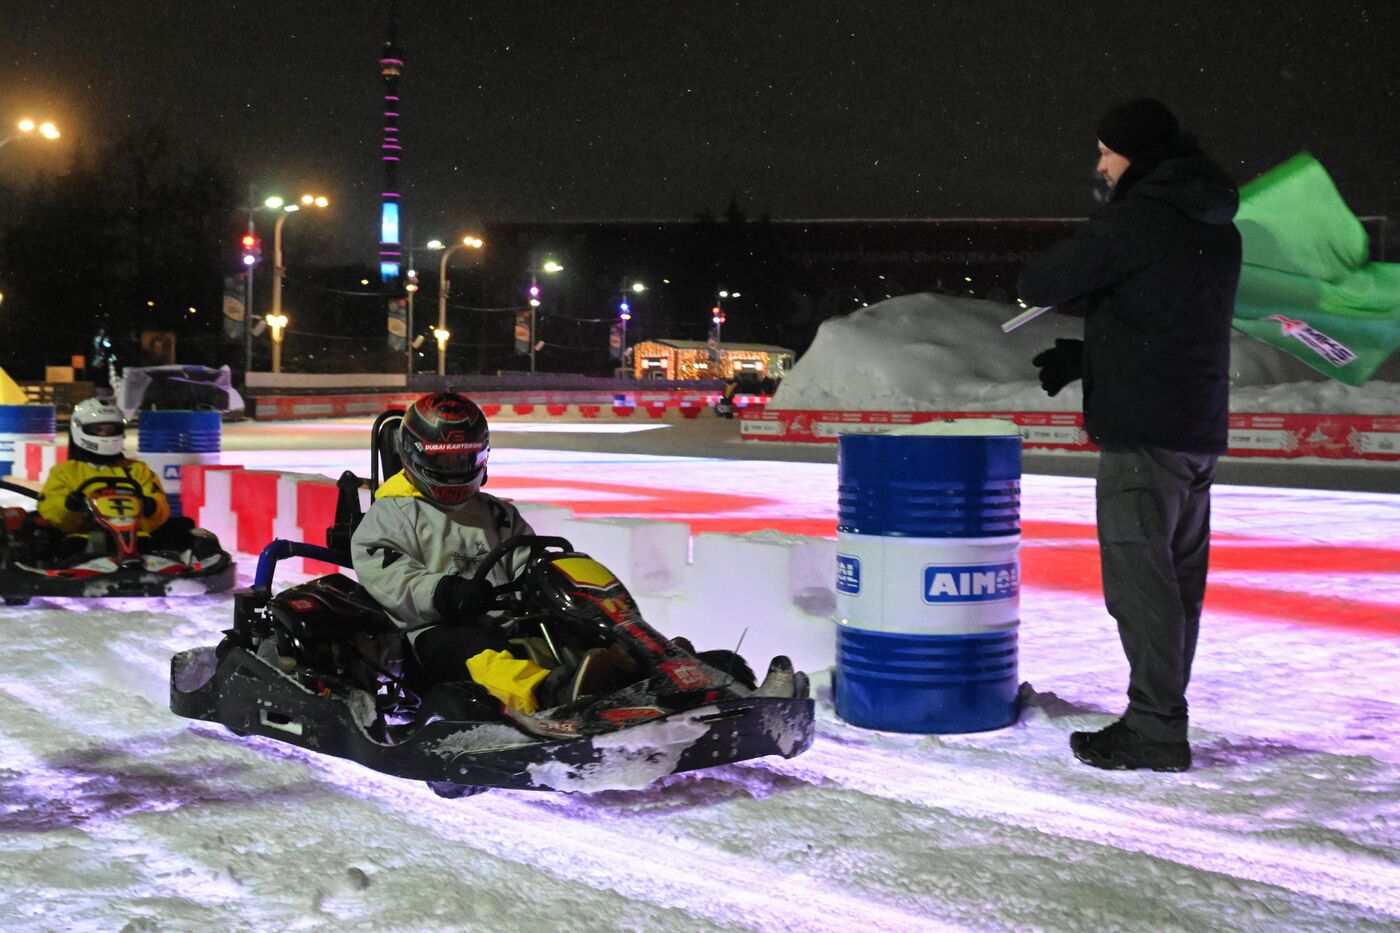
(98, 427)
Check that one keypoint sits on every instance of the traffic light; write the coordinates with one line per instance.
(717, 315)
(252, 251)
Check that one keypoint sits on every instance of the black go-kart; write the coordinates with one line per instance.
(111, 559)
(322, 666)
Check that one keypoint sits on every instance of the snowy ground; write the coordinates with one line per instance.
(115, 815)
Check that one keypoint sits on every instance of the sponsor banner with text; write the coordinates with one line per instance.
(1341, 437)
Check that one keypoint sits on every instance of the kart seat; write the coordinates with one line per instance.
(383, 463)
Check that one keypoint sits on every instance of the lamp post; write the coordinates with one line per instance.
(441, 332)
(27, 128)
(550, 267)
(277, 321)
(279, 270)
(624, 314)
(717, 317)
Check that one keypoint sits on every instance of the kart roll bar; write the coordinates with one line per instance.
(281, 549)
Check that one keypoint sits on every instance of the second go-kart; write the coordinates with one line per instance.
(112, 559)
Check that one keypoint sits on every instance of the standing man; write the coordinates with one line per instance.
(1154, 277)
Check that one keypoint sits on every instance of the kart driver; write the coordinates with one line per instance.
(417, 547)
(97, 447)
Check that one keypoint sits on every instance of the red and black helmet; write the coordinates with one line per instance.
(443, 443)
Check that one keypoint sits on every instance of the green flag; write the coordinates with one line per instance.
(1306, 286)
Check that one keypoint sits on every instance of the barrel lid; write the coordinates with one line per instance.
(964, 427)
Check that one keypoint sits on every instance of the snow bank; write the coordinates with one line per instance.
(938, 352)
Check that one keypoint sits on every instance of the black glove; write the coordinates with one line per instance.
(148, 506)
(1060, 365)
(75, 502)
(460, 599)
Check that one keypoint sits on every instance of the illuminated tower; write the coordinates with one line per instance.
(390, 67)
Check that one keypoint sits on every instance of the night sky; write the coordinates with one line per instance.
(588, 109)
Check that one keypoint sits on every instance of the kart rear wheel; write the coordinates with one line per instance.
(453, 791)
(16, 600)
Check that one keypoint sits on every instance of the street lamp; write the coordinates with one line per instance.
(28, 128)
(717, 317)
(624, 314)
(550, 267)
(441, 332)
(279, 270)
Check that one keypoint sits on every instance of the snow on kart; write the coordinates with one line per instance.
(112, 563)
(321, 666)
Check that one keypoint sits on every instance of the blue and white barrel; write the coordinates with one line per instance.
(928, 577)
(170, 439)
(20, 424)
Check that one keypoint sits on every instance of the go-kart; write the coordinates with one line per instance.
(112, 559)
(322, 666)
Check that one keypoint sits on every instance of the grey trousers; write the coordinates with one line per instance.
(1154, 545)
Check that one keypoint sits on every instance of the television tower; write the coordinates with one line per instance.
(390, 67)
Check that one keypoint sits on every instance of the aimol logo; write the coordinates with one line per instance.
(971, 583)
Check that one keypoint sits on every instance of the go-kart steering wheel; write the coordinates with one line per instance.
(537, 545)
(117, 483)
(113, 482)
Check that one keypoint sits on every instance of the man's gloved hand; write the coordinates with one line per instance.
(75, 502)
(1060, 365)
(148, 506)
(460, 599)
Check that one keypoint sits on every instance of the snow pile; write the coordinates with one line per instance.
(927, 352)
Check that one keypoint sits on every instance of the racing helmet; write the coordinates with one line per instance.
(97, 426)
(443, 444)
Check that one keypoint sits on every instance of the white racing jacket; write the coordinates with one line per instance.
(405, 545)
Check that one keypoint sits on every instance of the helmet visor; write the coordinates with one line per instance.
(105, 429)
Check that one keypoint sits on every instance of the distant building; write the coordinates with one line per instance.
(697, 359)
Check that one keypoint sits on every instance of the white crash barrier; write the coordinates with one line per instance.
(649, 556)
(775, 591)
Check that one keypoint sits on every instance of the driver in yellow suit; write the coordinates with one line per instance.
(97, 448)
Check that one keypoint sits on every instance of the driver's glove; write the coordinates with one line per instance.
(460, 599)
(75, 502)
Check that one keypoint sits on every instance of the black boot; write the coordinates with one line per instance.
(1121, 748)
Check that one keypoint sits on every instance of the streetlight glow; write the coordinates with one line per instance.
(26, 127)
(273, 202)
(551, 266)
(436, 245)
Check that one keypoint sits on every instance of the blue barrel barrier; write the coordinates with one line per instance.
(928, 577)
(168, 440)
(20, 424)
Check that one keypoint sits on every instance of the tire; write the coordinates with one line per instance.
(731, 664)
(453, 791)
(16, 600)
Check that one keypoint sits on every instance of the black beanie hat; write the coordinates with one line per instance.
(1138, 128)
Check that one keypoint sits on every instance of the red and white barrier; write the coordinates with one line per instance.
(1344, 437)
(37, 458)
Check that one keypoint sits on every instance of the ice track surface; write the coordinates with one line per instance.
(116, 815)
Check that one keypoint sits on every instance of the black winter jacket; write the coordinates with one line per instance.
(1154, 274)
